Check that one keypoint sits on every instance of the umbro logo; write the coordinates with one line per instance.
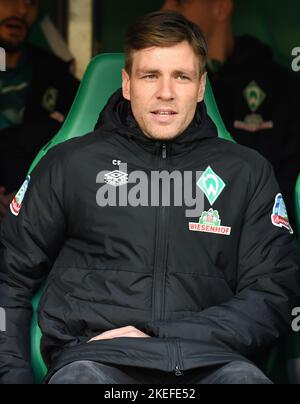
(116, 178)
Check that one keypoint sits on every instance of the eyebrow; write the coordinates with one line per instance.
(186, 72)
(156, 71)
(147, 71)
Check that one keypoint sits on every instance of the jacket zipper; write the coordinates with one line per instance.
(178, 372)
(160, 264)
(179, 366)
(176, 367)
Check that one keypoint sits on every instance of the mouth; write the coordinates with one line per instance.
(16, 28)
(164, 115)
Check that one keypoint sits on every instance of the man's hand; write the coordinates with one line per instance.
(125, 332)
(5, 201)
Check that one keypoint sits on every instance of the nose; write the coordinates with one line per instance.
(165, 89)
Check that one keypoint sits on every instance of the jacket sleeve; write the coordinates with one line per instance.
(30, 244)
(268, 286)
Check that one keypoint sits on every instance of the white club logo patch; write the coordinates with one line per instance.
(116, 178)
(210, 222)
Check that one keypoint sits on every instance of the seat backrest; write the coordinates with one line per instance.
(37, 362)
(101, 80)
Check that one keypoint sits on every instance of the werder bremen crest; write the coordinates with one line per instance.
(254, 96)
(254, 122)
(211, 184)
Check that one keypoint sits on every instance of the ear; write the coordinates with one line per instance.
(202, 88)
(126, 85)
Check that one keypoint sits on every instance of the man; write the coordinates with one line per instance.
(258, 99)
(138, 291)
(36, 92)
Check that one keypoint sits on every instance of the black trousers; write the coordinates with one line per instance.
(86, 372)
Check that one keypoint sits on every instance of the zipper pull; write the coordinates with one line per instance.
(178, 372)
(164, 151)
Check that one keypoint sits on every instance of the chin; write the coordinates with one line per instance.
(11, 46)
(163, 135)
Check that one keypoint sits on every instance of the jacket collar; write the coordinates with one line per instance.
(117, 117)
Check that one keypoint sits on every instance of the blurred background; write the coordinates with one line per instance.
(89, 27)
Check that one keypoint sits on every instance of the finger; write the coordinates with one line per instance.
(127, 335)
(101, 338)
(117, 331)
(110, 335)
(126, 332)
(136, 335)
(130, 333)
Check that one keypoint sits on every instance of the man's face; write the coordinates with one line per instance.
(16, 18)
(164, 88)
(201, 12)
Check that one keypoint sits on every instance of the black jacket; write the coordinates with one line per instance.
(205, 298)
(52, 89)
(276, 101)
